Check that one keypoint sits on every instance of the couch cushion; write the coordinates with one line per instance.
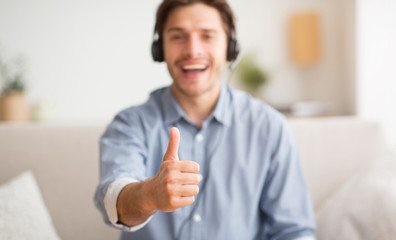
(23, 212)
(364, 207)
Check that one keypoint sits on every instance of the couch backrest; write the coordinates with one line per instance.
(64, 161)
(332, 149)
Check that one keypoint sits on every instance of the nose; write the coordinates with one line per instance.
(194, 47)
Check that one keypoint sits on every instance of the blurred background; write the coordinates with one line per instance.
(83, 61)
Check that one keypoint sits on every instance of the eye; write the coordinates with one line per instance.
(177, 37)
(208, 36)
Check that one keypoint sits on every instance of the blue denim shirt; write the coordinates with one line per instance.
(252, 188)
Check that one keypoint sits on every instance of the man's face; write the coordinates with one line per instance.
(195, 46)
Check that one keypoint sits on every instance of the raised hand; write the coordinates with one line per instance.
(176, 183)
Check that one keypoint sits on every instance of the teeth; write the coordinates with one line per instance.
(194, 67)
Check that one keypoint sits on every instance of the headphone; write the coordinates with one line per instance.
(157, 51)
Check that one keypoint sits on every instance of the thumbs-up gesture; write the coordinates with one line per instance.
(176, 183)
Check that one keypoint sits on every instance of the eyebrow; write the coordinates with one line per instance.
(179, 29)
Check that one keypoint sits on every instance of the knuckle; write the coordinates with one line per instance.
(170, 179)
(170, 190)
(173, 202)
(171, 165)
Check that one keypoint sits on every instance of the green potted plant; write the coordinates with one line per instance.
(12, 95)
(250, 74)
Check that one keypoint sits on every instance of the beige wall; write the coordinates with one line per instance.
(263, 28)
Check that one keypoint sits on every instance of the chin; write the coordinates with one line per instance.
(196, 90)
(189, 91)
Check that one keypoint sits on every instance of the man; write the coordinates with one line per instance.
(199, 160)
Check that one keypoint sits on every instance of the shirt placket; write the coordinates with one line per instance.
(197, 219)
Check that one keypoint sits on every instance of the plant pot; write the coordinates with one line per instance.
(13, 107)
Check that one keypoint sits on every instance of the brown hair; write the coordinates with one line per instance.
(221, 5)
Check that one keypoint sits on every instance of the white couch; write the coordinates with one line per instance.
(64, 161)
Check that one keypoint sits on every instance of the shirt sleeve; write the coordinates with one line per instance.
(110, 203)
(285, 200)
(123, 154)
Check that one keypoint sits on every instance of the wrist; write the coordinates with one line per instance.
(132, 206)
(147, 196)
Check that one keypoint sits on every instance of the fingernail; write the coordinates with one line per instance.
(200, 177)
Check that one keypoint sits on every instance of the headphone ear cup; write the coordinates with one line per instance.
(156, 51)
(232, 50)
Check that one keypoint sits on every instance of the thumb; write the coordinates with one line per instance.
(172, 153)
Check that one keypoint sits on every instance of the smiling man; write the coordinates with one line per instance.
(199, 160)
(195, 44)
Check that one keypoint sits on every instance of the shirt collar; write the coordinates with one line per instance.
(222, 111)
(173, 112)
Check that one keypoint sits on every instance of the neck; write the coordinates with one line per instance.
(197, 108)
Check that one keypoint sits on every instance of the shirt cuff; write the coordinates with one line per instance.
(110, 204)
(305, 238)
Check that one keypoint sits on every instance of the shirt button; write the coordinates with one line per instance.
(199, 137)
(197, 218)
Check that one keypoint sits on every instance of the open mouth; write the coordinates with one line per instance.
(194, 68)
